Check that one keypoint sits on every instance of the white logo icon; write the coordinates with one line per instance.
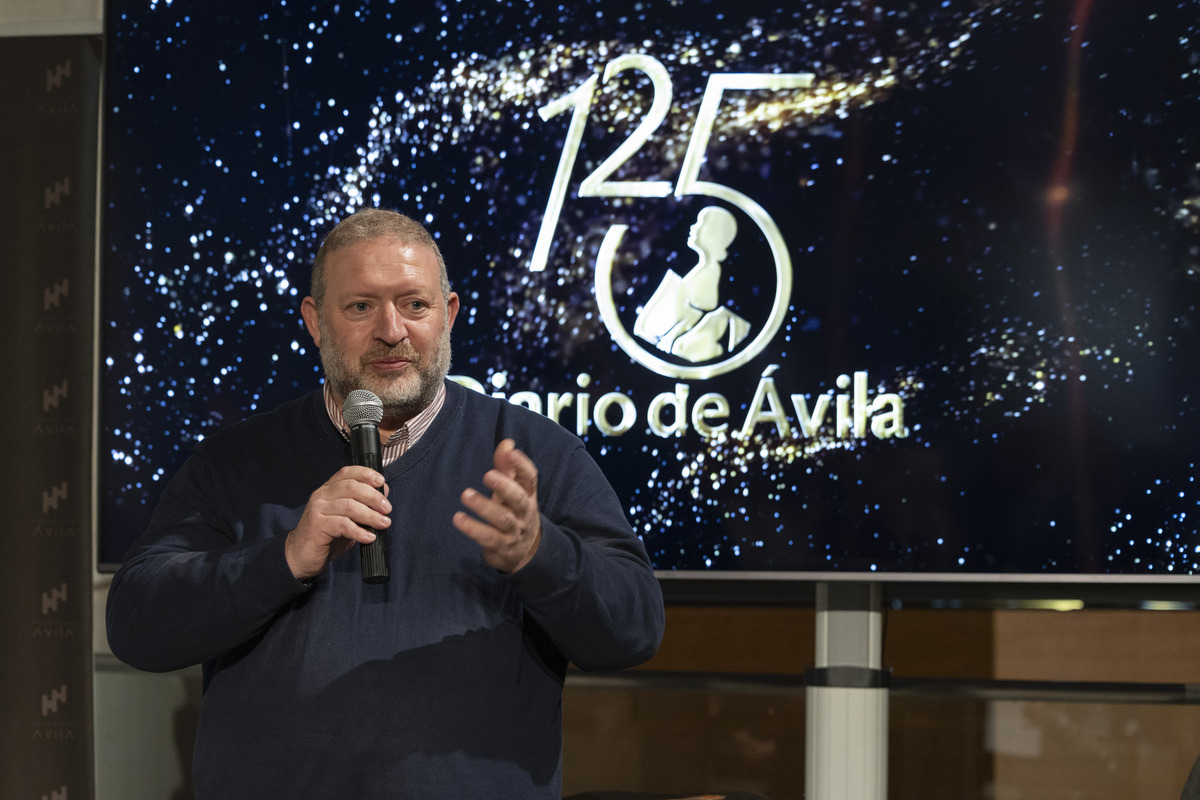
(683, 317)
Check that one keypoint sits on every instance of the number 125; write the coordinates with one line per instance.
(598, 184)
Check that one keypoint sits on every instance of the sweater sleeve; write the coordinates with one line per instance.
(191, 588)
(590, 585)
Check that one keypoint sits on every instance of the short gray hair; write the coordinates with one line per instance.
(368, 224)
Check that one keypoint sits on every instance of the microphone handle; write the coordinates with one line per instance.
(364, 452)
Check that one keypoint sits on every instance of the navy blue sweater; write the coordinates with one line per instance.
(443, 683)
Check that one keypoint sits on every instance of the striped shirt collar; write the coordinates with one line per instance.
(404, 438)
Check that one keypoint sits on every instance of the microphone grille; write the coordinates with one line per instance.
(362, 408)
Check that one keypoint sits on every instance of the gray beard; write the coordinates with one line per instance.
(402, 399)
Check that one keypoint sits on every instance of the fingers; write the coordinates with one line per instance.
(334, 519)
(507, 524)
(516, 465)
(495, 515)
(509, 500)
(354, 494)
(513, 483)
(508, 547)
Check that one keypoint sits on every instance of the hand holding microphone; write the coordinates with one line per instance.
(350, 507)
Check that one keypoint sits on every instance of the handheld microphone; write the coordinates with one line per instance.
(363, 412)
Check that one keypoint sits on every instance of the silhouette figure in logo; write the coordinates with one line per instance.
(682, 317)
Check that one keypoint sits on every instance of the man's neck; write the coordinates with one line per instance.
(392, 422)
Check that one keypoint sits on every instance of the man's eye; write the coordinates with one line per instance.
(418, 305)
(358, 307)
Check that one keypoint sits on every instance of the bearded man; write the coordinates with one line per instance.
(508, 551)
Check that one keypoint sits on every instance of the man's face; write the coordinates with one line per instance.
(384, 325)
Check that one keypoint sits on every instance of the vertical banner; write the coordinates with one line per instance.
(49, 101)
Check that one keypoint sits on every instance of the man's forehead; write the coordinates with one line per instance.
(401, 246)
(382, 264)
(385, 253)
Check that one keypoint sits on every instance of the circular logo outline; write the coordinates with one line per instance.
(608, 311)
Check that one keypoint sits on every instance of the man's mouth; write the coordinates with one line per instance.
(390, 364)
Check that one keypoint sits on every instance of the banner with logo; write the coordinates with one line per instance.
(49, 103)
(824, 287)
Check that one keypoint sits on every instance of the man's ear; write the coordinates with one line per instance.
(308, 310)
(451, 309)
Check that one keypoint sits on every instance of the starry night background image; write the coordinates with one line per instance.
(990, 210)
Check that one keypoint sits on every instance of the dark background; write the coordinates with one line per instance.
(997, 221)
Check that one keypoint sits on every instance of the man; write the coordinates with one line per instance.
(509, 556)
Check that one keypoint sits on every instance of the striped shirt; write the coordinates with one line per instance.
(404, 438)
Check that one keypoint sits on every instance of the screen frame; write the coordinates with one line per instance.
(746, 586)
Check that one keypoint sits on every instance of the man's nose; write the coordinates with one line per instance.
(391, 326)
